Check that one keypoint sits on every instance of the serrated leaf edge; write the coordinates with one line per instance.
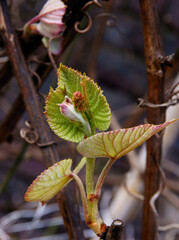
(87, 79)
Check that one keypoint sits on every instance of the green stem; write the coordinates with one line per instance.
(83, 194)
(90, 203)
(94, 221)
(92, 200)
(90, 164)
(80, 165)
(102, 176)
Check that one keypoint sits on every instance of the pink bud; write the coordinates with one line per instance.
(49, 19)
(67, 109)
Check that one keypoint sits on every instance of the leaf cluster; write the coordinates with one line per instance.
(69, 123)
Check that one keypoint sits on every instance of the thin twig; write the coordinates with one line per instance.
(39, 80)
(50, 54)
(172, 90)
(171, 102)
(157, 194)
(133, 194)
(168, 227)
(174, 94)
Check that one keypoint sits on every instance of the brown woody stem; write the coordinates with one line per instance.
(154, 57)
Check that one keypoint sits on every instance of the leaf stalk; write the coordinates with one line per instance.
(102, 176)
(82, 192)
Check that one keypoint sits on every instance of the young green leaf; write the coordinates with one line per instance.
(99, 107)
(115, 144)
(52, 180)
(71, 82)
(48, 183)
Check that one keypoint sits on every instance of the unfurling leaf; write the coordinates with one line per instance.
(52, 180)
(91, 103)
(48, 183)
(74, 81)
(115, 144)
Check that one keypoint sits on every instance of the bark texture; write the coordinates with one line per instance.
(155, 63)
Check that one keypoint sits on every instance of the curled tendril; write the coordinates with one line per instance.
(28, 134)
(39, 80)
(96, 2)
(31, 136)
(111, 22)
(88, 27)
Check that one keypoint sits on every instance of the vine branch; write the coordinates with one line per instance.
(155, 59)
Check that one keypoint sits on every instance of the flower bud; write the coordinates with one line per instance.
(48, 22)
(67, 109)
(49, 19)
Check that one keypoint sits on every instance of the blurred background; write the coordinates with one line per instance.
(112, 53)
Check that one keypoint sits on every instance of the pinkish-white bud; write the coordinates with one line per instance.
(48, 23)
(49, 19)
(67, 109)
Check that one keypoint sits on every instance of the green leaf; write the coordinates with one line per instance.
(115, 144)
(99, 107)
(52, 180)
(48, 183)
(62, 126)
(69, 82)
